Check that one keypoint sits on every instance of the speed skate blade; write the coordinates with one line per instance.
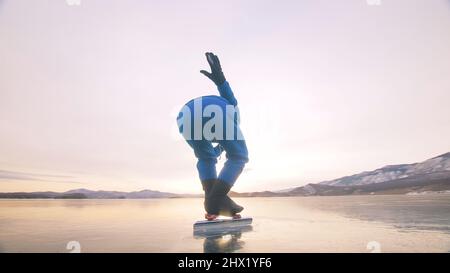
(222, 226)
(223, 223)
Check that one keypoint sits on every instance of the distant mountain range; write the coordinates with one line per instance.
(89, 194)
(431, 175)
(439, 164)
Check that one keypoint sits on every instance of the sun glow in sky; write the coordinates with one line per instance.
(89, 94)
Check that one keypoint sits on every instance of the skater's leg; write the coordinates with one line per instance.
(237, 155)
(207, 159)
(206, 165)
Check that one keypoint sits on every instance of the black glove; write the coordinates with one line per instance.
(216, 74)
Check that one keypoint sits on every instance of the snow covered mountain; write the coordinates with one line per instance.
(118, 194)
(89, 194)
(439, 164)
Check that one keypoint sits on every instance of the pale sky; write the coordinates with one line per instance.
(89, 93)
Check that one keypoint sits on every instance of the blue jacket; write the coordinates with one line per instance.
(226, 98)
(226, 93)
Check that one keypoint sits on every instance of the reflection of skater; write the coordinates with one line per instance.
(224, 132)
(217, 244)
(222, 240)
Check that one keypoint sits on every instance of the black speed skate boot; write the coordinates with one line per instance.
(219, 203)
(207, 186)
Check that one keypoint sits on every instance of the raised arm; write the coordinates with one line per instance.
(218, 78)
